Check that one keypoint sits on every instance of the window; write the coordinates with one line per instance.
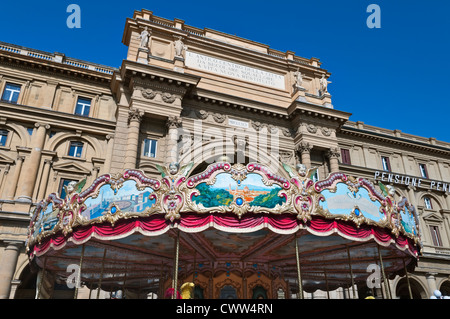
(427, 202)
(435, 236)
(315, 176)
(150, 147)
(75, 149)
(385, 163)
(83, 106)
(62, 190)
(3, 137)
(11, 92)
(423, 170)
(345, 156)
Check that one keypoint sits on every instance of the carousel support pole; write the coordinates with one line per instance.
(125, 279)
(351, 272)
(193, 268)
(175, 271)
(78, 282)
(326, 284)
(384, 275)
(161, 285)
(101, 274)
(42, 279)
(407, 280)
(299, 275)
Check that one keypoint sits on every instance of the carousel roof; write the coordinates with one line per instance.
(229, 218)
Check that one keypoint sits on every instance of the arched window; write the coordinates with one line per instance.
(427, 202)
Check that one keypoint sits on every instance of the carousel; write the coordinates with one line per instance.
(228, 232)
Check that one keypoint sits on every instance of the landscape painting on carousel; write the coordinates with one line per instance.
(343, 201)
(251, 190)
(128, 198)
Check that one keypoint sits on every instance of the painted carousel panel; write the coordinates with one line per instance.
(128, 198)
(345, 201)
(226, 190)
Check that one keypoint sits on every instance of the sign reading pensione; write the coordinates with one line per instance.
(234, 70)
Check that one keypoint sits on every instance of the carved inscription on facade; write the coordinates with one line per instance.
(234, 70)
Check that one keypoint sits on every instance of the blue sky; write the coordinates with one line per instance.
(395, 77)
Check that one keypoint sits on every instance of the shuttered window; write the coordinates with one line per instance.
(345, 156)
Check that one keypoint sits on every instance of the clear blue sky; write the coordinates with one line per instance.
(395, 77)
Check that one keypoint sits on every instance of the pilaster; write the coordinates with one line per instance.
(134, 122)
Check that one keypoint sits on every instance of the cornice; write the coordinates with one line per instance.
(145, 72)
(303, 110)
(239, 104)
(57, 119)
(73, 69)
(394, 140)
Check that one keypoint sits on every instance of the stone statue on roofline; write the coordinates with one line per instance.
(144, 37)
(179, 47)
(323, 85)
(298, 78)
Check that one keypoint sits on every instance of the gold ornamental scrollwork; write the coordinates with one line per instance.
(176, 193)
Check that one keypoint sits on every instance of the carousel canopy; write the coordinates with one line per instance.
(239, 218)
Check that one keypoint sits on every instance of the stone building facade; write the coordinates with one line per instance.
(189, 94)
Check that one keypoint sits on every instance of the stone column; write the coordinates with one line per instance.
(30, 170)
(8, 263)
(173, 123)
(431, 281)
(411, 195)
(44, 180)
(333, 155)
(305, 152)
(15, 178)
(134, 123)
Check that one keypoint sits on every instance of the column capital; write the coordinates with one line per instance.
(13, 244)
(135, 115)
(174, 122)
(45, 125)
(334, 152)
(304, 147)
(20, 158)
(7, 168)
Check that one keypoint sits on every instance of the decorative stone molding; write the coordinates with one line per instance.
(311, 128)
(259, 126)
(326, 131)
(219, 118)
(7, 168)
(285, 156)
(46, 126)
(286, 132)
(201, 114)
(148, 93)
(168, 97)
